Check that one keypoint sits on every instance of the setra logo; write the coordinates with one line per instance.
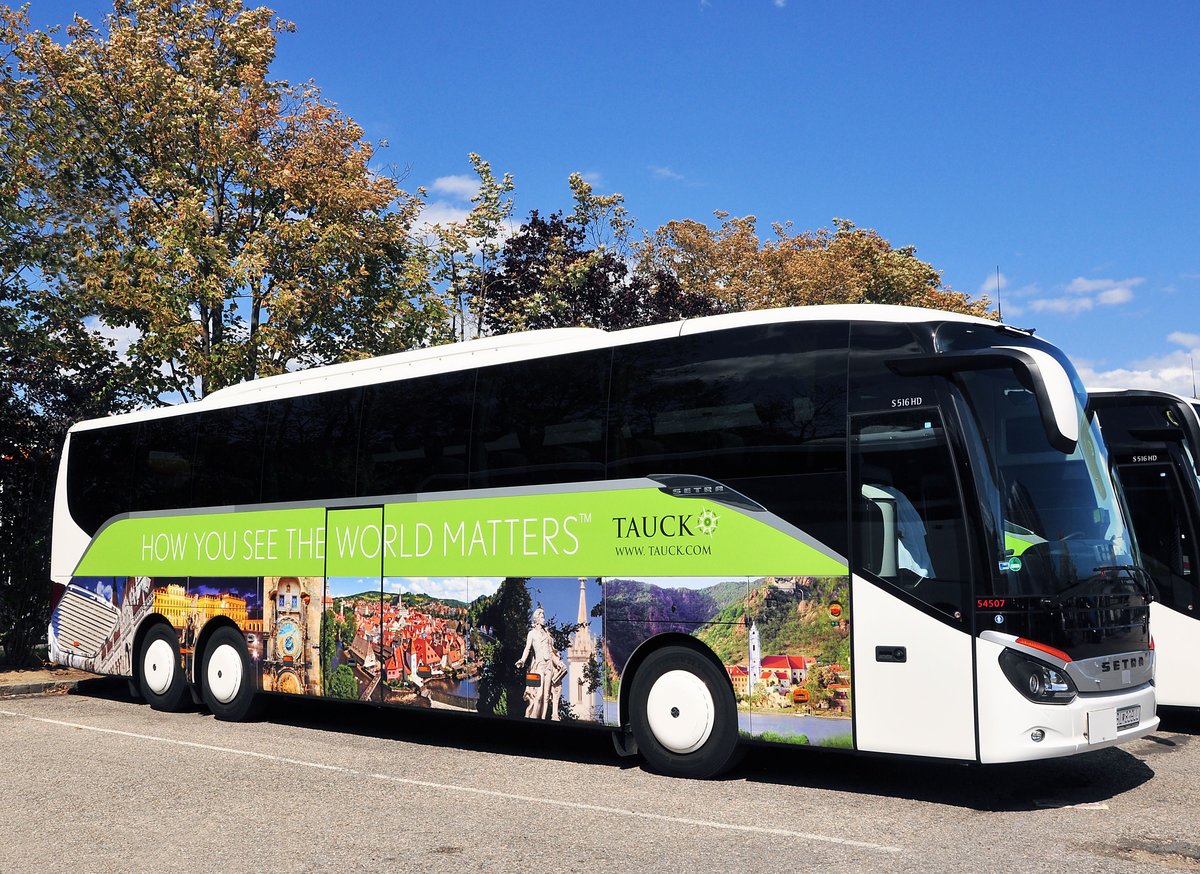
(1111, 665)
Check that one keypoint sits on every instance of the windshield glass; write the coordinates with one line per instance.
(1057, 525)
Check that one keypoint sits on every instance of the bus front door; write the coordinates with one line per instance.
(913, 668)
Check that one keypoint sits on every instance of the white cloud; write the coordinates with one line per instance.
(452, 206)
(457, 588)
(666, 173)
(1114, 296)
(1067, 305)
(779, 4)
(437, 212)
(988, 286)
(122, 336)
(1082, 295)
(1191, 341)
(441, 212)
(1080, 285)
(460, 187)
(1171, 372)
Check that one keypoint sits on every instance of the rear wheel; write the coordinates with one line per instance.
(160, 675)
(683, 714)
(226, 682)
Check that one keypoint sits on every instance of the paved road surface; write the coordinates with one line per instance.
(93, 781)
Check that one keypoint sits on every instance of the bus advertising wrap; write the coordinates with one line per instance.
(606, 533)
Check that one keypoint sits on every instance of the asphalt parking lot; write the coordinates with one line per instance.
(95, 781)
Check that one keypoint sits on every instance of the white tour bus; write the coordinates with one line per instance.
(1153, 440)
(870, 528)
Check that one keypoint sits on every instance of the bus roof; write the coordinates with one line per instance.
(1140, 393)
(516, 347)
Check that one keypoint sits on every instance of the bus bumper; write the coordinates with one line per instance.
(1014, 729)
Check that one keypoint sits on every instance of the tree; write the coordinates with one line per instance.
(501, 684)
(53, 370)
(342, 684)
(547, 278)
(40, 395)
(232, 223)
(844, 265)
(601, 219)
(466, 250)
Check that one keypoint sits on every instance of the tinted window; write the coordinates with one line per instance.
(908, 519)
(762, 409)
(415, 434)
(163, 463)
(99, 474)
(1163, 526)
(311, 447)
(873, 385)
(229, 449)
(541, 421)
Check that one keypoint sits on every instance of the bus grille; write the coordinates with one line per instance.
(83, 622)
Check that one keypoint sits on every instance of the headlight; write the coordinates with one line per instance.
(1037, 680)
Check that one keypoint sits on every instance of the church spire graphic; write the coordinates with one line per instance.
(755, 656)
(581, 651)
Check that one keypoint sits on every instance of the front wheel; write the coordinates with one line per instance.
(160, 675)
(226, 683)
(683, 714)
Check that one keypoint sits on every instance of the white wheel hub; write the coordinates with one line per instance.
(680, 711)
(159, 666)
(224, 674)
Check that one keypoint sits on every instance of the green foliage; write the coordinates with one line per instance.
(342, 684)
(548, 278)
(329, 622)
(593, 674)
(777, 738)
(465, 251)
(839, 742)
(230, 221)
(508, 611)
(787, 623)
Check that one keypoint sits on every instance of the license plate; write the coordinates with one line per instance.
(1127, 717)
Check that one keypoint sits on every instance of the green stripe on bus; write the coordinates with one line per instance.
(634, 532)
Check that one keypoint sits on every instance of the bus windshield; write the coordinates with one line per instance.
(1057, 527)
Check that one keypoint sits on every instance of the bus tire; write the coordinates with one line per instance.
(683, 714)
(226, 680)
(160, 671)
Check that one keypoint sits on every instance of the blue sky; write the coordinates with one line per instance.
(1058, 142)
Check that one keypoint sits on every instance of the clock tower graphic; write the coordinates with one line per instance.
(292, 635)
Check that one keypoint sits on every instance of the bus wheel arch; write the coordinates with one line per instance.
(224, 672)
(679, 704)
(158, 667)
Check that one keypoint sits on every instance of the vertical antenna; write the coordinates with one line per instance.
(1192, 361)
(999, 308)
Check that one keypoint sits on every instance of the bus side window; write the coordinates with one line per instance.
(229, 451)
(761, 409)
(162, 470)
(311, 447)
(541, 421)
(101, 471)
(415, 434)
(908, 521)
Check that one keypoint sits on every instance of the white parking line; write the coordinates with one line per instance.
(637, 814)
(449, 787)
